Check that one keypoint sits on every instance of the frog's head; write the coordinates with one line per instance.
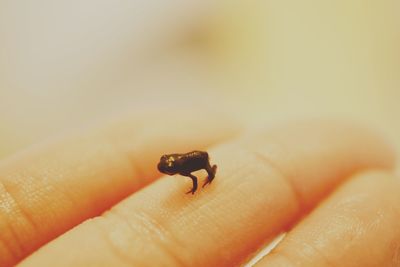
(167, 165)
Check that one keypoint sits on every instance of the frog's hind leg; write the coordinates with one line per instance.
(194, 179)
(211, 173)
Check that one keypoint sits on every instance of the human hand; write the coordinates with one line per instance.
(265, 183)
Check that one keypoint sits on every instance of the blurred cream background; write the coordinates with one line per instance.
(66, 63)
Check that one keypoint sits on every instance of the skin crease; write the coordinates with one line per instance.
(272, 180)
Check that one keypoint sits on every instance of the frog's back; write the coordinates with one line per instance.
(192, 161)
(196, 154)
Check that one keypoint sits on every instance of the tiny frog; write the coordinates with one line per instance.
(185, 164)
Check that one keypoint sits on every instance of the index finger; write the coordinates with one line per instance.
(51, 188)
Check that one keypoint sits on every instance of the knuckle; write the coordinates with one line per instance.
(284, 177)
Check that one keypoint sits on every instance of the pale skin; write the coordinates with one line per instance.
(265, 183)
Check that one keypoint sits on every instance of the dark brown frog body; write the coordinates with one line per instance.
(185, 164)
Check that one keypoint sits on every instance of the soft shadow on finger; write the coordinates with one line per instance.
(263, 185)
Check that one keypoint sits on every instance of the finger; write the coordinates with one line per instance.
(357, 226)
(250, 200)
(47, 191)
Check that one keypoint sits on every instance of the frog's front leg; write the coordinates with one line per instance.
(194, 179)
